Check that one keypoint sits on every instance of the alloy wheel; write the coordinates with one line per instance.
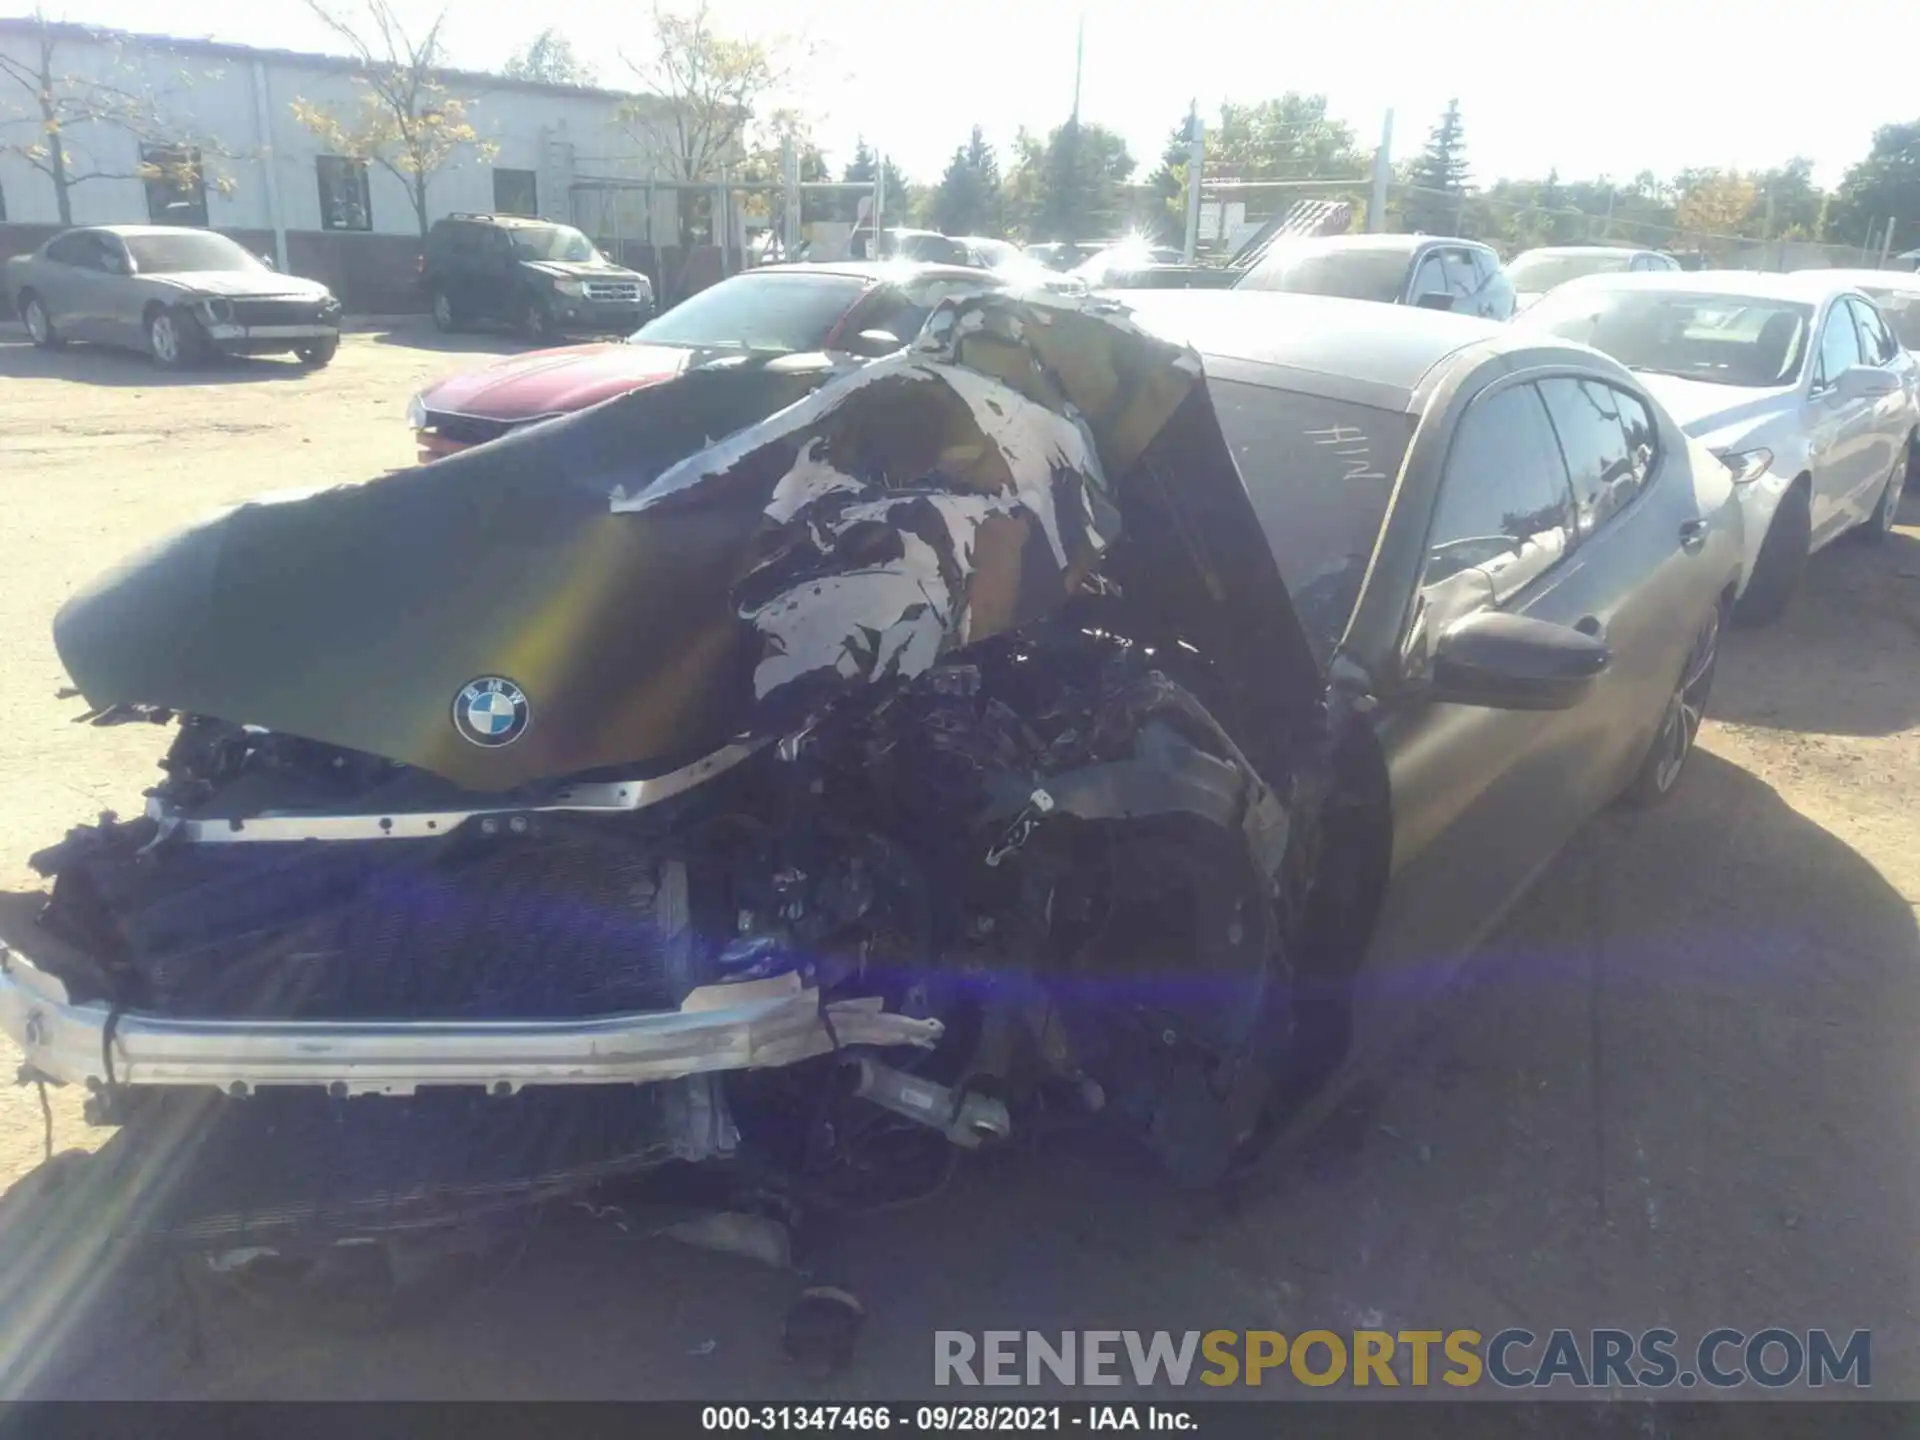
(37, 327)
(442, 310)
(1896, 487)
(165, 339)
(1681, 727)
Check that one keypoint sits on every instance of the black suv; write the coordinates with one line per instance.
(539, 277)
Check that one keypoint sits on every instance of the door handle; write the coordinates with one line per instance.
(1592, 626)
(1693, 536)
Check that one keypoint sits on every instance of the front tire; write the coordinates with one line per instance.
(1880, 524)
(173, 340)
(447, 318)
(1782, 561)
(1666, 759)
(536, 321)
(318, 354)
(33, 312)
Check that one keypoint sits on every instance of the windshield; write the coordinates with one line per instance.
(1353, 272)
(1901, 309)
(1320, 473)
(1538, 270)
(1726, 339)
(778, 313)
(552, 242)
(996, 252)
(186, 252)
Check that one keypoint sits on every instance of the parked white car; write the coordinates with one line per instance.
(1535, 272)
(1896, 293)
(1795, 381)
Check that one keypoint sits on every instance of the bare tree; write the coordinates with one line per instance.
(52, 118)
(550, 59)
(406, 122)
(700, 92)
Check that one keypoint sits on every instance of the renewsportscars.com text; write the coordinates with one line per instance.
(1514, 1358)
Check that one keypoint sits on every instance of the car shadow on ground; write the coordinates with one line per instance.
(1712, 1005)
(1841, 661)
(103, 365)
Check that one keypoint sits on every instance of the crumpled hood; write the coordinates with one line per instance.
(560, 381)
(1722, 416)
(267, 284)
(652, 594)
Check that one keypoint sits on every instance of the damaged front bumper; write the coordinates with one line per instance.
(754, 1024)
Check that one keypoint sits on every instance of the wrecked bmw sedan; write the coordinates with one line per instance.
(1035, 726)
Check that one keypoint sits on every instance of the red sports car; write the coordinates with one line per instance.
(859, 309)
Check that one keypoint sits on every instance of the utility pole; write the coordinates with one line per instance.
(1196, 175)
(1079, 61)
(1382, 170)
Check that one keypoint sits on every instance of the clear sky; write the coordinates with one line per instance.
(1610, 88)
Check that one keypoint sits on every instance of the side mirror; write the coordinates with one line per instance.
(1865, 382)
(1514, 662)
(872, 344)
(267, 260)
(1434, 300)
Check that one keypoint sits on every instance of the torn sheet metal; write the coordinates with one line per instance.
(907, 493)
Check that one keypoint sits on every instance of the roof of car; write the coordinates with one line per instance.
(126, 231)
(489, 218)
(1391, 346)
(1401, 244)
(1808, 287)
(1870, 279)
(1590, 250)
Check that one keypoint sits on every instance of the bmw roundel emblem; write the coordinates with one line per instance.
(492, 711)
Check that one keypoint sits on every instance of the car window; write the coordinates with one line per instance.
(77, 248)
(1877, 344)
(1727, 339)
(1505, 507)
(1319, 473)
(772, 311)
(182, 252)
(1900, 309)
(891, 310)
(1839, 347)
(1430, 278)
(1463, 277)
(1607, 437)
(1353, 272)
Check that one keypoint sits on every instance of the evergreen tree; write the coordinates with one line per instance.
(967, 200)
(1438, 179)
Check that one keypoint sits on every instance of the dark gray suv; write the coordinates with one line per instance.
(540, 277)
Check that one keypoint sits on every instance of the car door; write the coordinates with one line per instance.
(1840, 432)
(117, 307)
(1639, 574)
(1429, 277)
(58, 281)
(1892, 415)
(1481, 797)
(496, 275)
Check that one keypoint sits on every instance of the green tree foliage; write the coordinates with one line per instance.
(1068, 188)
(967, 199)
(1438, 179)
(1883, 186)
(1169, 179)
(865, 165)
(1289, 138)
(550, 59)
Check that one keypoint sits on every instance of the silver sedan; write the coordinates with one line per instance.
(1795, 381)
(177, 294)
